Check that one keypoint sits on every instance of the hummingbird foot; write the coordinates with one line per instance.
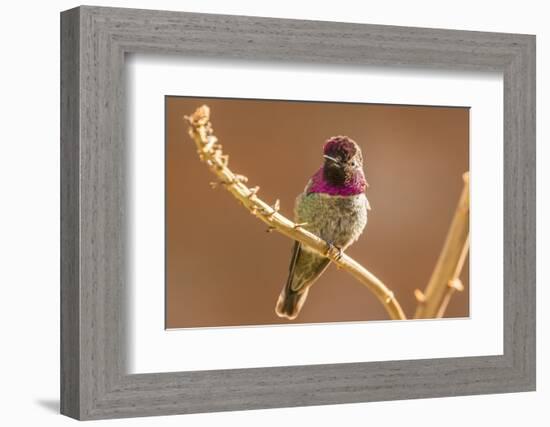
(334, 251)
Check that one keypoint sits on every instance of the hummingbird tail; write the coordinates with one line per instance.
(290, 303)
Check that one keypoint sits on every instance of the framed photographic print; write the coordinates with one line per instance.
(262, 213)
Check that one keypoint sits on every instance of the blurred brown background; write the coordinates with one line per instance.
(223, 269)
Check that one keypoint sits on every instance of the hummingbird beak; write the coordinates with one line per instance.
(331, 158)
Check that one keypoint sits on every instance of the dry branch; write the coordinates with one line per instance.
(445, 281)
(210, 152)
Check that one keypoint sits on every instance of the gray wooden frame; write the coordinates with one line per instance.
(94, 382)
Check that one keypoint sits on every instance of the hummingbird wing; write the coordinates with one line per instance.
(305, 267)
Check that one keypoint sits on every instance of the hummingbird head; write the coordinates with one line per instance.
(343, 161)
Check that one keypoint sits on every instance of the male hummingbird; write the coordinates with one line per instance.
(334, 207)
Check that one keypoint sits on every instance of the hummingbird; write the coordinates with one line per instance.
(333, 206)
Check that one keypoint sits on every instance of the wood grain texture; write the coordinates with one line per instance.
(95, 277)
(70, 221)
